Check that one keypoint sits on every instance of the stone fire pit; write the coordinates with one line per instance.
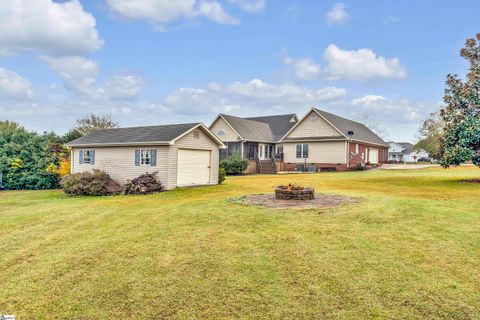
(293, 192)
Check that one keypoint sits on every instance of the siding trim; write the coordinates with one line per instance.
(305, 117)
(206, 130)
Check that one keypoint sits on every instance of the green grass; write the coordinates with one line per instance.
(410, 249)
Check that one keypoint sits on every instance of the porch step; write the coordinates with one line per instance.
(267, 167)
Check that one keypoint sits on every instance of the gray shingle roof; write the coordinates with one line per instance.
(132, 135)
(408, 147)
(360, 131)
(262, 129)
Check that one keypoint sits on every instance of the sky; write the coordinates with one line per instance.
(150, 62)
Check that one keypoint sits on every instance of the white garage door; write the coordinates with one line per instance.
(193, 167)
(373, 155)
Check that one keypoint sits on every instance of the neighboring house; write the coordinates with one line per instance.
(255, 138)
(182, 154)
(321, 140)
(405, 152)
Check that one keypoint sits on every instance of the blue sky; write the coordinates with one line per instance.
(158, 61)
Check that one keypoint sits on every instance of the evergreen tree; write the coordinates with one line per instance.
(461, 115)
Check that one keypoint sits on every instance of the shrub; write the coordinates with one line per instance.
(221, 175)
(96, 183)
(144, 184)
(234, 164)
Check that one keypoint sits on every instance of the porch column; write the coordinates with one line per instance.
(241, 150)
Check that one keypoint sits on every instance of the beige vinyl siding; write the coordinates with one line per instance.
(313, 128)
(319, 152)
(203, 142)
(119, 162)
(221, 125)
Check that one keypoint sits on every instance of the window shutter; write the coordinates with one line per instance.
(80, 156)
(137, 157)
(92, 156)
(153, 161)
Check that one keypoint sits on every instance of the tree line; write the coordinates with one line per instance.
(29, 160)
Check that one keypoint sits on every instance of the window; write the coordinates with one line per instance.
(146, 157)
(279, 149)
(221, 133)
(305, 151)
(196, 134)
(260, 151)
(302, 151)
(87, 156)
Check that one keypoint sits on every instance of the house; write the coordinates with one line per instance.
(319, 141)
(254, 138)
(182, 154)
(405, 152)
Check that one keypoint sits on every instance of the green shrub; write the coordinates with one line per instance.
(221, 175)
(234, 164)
(96, 183)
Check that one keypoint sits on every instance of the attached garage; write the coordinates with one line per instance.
(181, 154)
(194, 167)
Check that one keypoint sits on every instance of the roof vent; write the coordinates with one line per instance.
(350, 133)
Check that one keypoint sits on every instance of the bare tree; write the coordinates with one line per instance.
(430, 134)
(371, 124)
(94, 122)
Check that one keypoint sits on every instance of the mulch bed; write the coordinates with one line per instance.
(470, 181)
(321, 201)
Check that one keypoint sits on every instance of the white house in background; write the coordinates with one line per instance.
(405, 152)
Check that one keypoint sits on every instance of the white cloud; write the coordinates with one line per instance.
(250, 5)
(393, 110)
(162, 12)
(77, 73)
(304, 68)
(13, 86)
(248, 97)
(47, 27)
(338, 14)
(214, 11)
(369, 100)
(123, 87)
(361, 64)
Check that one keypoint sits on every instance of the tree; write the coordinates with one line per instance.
(461, 114)
(71, 135)
(431, 134)
(27, 159)
(94, 122)
(371, 124)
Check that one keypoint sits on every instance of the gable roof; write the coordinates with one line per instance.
(262, 129)
(408, 147)
(360, 132)
(162, 134)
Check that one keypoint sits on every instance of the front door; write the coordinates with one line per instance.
(265, 151)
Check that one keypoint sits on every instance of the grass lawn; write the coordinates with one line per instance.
(410, 249)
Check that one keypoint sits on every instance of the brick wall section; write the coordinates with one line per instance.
(356, 158)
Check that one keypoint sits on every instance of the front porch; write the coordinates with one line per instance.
(262, 157)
